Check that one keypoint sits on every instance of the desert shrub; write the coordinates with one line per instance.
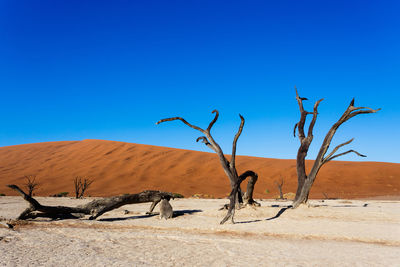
(2, 195)
(61, 194)
(176, 195)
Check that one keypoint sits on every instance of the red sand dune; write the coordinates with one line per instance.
(119, 168)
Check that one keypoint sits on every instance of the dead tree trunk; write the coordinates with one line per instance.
(235, 193)
(228, 166)
(305, 181)
(77, 186)
(94, 208)
(280, 185)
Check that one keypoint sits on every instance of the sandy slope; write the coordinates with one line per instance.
(330, 233)
(119, 168)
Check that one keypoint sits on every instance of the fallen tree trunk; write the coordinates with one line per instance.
(94, 208)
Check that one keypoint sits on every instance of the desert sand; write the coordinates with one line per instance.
(326, 233)
(360, 228)
(119, 168)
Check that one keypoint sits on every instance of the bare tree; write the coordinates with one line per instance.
(94, 208)
(81, 185)
(77, 186)
(31, 184)
(280, 185)
(229, 166)
(306, 181)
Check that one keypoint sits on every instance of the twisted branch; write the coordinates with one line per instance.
(183, 120)
(294, 130)
(303, 115)
(233, 157)
(34, 204)
(214, 120)
(233, 194)
(314, 119)
(206, 142)
(365, 111)
(327, 158)
(344, 153)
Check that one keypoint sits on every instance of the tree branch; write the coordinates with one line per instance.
(294, 130)
(358, 108)
(214, 120)
(314, 119)
(239, 132)
(303, 116)
(213, 145)
(84, 186)
(300, 100)
(184, 121)
(344, 153)
(281, 183)
(336, 149)
(31, 200)
(363, 110)
(350, 112)
(206, 142)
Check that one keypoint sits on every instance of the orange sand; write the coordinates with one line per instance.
(119, 168)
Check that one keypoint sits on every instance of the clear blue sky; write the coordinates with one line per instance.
(74, 70)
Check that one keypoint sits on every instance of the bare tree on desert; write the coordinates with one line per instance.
(279, 186)
(81, 185)
(31, 184)
(229, 166)
(305, 181)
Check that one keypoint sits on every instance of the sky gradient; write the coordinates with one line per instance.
(74, 70)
